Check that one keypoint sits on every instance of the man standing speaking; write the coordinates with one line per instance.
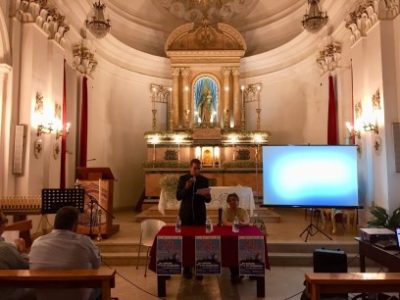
(193, 193)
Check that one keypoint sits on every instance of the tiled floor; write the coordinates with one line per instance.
(281, 282)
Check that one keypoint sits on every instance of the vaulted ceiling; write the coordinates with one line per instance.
(145, 24)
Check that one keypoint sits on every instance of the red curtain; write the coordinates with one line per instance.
(64, 133)
(332, 114)
(84, 125)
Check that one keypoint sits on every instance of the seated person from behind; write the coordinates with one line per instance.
(12, 259)
(233, 210)
(63, 248)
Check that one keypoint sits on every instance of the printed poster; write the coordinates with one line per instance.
(169, 255)
(208, 255)
(251, 255)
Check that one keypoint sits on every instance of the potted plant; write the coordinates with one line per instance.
(383, 219)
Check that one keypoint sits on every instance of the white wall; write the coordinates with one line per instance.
(119, 115)
(376, 66)
(294, 103)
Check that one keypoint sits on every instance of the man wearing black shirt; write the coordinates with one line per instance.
(193, 193)
(192, 197)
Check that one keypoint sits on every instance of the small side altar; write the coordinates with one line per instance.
(207, 113)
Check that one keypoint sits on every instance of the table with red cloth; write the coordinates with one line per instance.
(229, 249)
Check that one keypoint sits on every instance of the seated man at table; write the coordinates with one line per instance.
(234, 211)
(229, 215)
(12, 258)
(64, 249)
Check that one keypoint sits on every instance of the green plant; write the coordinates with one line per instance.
(382, 218)
(169, 182)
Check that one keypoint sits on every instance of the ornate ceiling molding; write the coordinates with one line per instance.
(46, 16)
(205, 37)
(366, 13)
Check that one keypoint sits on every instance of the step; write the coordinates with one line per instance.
(124, 259)
(309, 247)
(119, 247)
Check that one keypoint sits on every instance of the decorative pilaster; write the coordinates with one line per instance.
(186, 97)
(236, 98)
(175, 98)
(225, 109)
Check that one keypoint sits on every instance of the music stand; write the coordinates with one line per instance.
(54, 199)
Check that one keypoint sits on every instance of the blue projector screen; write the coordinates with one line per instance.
(310, 176)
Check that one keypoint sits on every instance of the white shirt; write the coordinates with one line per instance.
(64, 249)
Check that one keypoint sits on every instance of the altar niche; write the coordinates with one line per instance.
(205, 101)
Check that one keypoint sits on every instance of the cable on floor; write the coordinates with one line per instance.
(132, 283)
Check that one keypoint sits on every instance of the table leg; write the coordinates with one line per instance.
(105, 290)
(261, 286)
(314, 292)
(161, 286)
(362, 263)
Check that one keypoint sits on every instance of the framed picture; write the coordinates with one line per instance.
(207, 156)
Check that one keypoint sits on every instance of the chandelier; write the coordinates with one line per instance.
(84, 61)
(329, 57)
(97, 24)
(315, 18)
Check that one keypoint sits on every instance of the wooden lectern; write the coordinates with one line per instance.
(98, 184)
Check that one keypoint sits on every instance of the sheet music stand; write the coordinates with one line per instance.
(54, 199)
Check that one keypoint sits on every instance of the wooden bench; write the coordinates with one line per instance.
(337, 283)
(103, 278)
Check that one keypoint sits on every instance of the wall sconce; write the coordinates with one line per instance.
(352, 131)
(41, 119)
(371, 115)
(37, 147)
(61, 131)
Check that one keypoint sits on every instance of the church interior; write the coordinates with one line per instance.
(107, 104)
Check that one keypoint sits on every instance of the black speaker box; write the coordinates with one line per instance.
(329, 261)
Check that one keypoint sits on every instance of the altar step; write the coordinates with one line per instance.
(268, 215)
(280, 253)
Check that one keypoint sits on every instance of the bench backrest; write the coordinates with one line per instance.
(58, 278)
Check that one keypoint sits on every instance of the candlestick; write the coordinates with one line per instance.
(99, 199)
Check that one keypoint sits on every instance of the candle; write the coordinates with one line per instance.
(99, 190)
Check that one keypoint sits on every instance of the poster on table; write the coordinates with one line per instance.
(169, 255)
(251, 255)
(208, 255)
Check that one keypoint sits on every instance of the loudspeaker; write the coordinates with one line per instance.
(329, 261)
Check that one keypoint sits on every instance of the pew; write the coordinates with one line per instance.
(103, 278)
(328, 283)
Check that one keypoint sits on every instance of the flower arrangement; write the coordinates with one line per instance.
(169, 182)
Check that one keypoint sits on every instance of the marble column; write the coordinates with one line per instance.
(225, 111)
(186, 113)
(175, 98)
(236, 98)
(5, 129)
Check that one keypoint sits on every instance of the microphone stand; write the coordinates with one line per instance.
(94, 201)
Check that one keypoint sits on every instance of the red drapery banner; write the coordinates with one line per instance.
(84, 125)
(332, 115)
(64, 133)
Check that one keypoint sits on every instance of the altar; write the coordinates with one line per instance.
(206, 114)
(218, 198)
